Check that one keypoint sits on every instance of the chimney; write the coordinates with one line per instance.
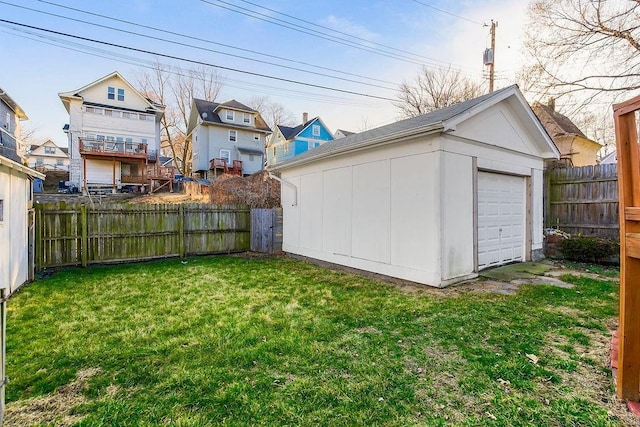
(552, 103)
(305, 117)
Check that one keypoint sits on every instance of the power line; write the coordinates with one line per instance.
(192, 37)
(135, 61)
(448, 13)
(342, 32)
(177, 58)
(281, 23)
(199, 47)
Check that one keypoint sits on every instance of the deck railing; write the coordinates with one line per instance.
(113, 148)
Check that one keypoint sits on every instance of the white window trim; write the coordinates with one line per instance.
(315, 128)
(228, 157)
(233, 115)
(246, 118)
(235, 136)
(256, 137)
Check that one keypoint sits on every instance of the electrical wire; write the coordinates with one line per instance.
(343, 33)
(177, 58)
(192, 37)
(200, 48)
(448, 13)
(324, 36)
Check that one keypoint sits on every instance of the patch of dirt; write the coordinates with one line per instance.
(169, 198)
(592, 382)
(55, 408)
(257, 190)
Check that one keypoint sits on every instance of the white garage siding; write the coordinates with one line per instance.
(431, 199)
(501, 219)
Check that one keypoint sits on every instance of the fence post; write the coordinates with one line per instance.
(181, 230)
(37, 245)
(84, 248)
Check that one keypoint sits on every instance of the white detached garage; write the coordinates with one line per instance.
(431, 199)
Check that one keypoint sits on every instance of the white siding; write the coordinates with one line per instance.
(14, 191)
(457, 209)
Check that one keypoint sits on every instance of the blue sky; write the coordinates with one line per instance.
(38, 65)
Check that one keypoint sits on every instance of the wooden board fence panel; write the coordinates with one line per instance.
(584, 200)
(76, 234)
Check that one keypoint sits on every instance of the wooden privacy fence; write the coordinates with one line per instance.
(76, 234)
(583, 200)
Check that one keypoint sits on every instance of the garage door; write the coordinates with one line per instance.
(501, 219)
(101, 172)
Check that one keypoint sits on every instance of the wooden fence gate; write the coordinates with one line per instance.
(629, 198)
(266, 230)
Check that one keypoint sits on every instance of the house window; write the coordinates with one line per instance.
(315, 129)
(1, 210)
(232, 136)
(39, 162)
(111, 92)
(273, 150)
(226, 155)
(256, 137)
(119, 139)
(246, 118)
(286, 148)
(100, 137)
(50, 150)
(7, 125)
(230, 115)
(128, 140)
(59, 162)
(120, 94)
(144, 140)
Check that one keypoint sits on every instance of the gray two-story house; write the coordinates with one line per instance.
(10, 116)
(226, 138)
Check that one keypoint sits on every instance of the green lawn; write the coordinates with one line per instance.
(274, 341)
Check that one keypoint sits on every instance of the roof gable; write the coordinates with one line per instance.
(207, 111)
(96, 92)
(290, 133)
(443, 120)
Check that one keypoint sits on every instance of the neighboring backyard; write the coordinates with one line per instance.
(247, 340)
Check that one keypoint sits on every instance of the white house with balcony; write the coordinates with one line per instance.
(113, 134)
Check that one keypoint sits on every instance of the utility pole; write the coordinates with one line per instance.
(493, 51)
(490, 55)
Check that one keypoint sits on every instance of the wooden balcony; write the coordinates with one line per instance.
(221, 164)
(161, 172)
(100, 148)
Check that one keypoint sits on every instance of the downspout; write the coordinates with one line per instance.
(282, 181)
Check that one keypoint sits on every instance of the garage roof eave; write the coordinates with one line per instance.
(424, 130)
(21, 168)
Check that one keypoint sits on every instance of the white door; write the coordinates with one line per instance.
(501, 219)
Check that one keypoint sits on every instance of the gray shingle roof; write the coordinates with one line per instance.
(212, 116)
(432, 118)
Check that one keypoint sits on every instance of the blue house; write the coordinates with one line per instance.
(287, 142)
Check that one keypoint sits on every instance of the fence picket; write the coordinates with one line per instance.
(75, 234)
(584, 200)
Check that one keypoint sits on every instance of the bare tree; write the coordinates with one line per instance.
(587, 48)
(434, 89)
(175, 88)
(272, 112)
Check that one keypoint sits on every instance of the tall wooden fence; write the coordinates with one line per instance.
(77, 234)
(583, 200)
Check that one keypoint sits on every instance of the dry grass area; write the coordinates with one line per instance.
(55, 408)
